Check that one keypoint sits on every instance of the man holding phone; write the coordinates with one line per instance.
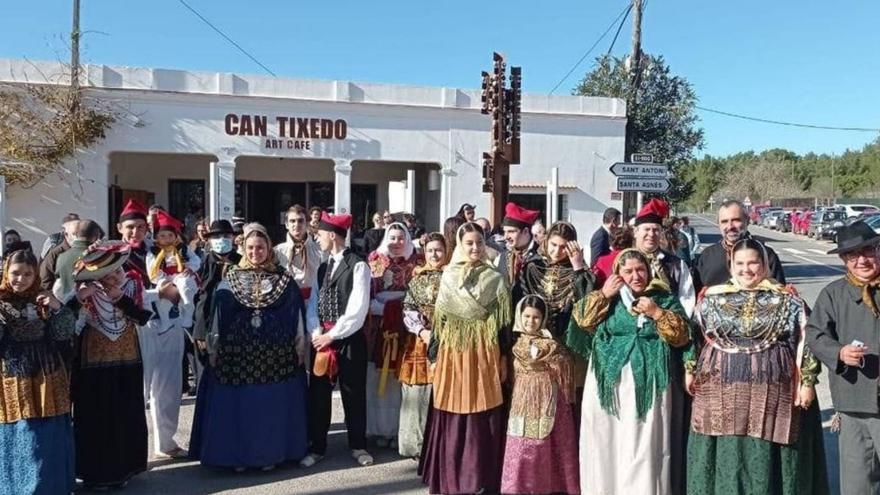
(844, 333)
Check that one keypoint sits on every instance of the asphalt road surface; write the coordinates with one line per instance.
(805, 264)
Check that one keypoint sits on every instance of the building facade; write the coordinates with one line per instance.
(218, 144)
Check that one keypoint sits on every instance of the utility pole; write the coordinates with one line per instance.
(629, 198)
(74, 60)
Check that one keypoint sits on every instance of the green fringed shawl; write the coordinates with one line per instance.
(618, 341)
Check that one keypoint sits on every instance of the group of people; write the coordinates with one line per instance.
(501, 362)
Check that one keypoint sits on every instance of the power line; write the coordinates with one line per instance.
(587, 53)
(619, 27)
(227, 38)
(790, 124)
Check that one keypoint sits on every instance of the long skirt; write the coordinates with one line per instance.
(463, 453)
(252, 425)
(726, 465)
(109, 423)
(36, 456)
(625, 454)
(201, 411)
(547, 465)
(383, 411)
(415, 400)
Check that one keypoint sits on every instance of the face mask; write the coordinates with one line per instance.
(221, 245)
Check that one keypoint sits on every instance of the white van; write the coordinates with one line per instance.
(854, 210)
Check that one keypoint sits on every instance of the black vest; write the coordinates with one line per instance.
(333, 294)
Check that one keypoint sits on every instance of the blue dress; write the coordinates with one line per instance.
(36, 433)
(251, 406)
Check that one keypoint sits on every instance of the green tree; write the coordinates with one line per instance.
(665, 122)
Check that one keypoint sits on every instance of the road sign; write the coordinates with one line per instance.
(641, 158)
(642, 184)
(652, 170)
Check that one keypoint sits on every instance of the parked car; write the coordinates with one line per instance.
(755, 214)
(854, 210)
(874, 223)
(783, 222)
(770, 218)
(824, 224)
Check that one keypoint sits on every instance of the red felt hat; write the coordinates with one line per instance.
(165, 221)
(335, 223)
(654, 211)
(133, 210)
(519, 217)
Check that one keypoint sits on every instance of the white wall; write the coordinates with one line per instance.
(177, 112)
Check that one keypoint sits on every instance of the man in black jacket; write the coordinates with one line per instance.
(220, 254)
(713, 266)
(600, 243)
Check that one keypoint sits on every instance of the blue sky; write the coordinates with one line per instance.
(809, 61)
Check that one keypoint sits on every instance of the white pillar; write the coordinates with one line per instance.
(221, 189)
(446, 175)
(342, 190)
(410, 200)
(552, 196)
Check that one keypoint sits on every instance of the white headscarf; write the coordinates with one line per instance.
(408, 247)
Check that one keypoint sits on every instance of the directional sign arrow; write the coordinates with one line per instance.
(642, 184)
(622, 169)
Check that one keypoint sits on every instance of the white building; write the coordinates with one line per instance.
(220, 143)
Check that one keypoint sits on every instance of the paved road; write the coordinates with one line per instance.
(806, 266)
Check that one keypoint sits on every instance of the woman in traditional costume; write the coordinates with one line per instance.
(559, 276)
(541, 451)
(627, 331)
(255, 403)
(391, 266)
(414, 373)
(464, 439)
(755, 424)
(36, 344)
(108, 386)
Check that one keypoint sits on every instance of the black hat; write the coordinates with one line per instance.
(855, 237)
(220, 227)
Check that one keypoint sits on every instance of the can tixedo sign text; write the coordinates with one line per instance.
(295, 133)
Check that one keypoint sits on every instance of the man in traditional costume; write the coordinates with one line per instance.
(299, 253)
(675, 274)
(712, 267)
(132, 227)
(521, 248)
(336, 318)
(844, 333)
(669, 268)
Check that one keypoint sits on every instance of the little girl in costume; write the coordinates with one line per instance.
(169, 261)
(541, 451)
